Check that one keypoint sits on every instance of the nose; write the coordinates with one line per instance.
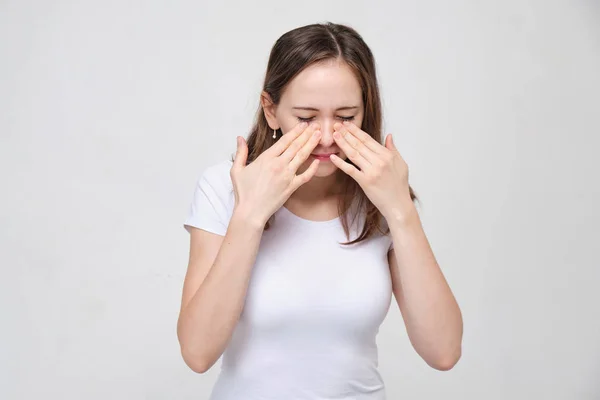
(326, 133)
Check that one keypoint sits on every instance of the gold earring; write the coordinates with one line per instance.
(274, 134)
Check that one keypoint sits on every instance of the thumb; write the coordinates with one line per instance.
(389, 142)
(241, 154)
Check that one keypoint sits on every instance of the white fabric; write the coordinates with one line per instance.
(313, 307)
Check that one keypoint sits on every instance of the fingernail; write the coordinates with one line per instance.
(346, 122)
(304, 124)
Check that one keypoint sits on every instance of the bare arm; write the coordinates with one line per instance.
(431, 314)
(219, 268)
(215, 289)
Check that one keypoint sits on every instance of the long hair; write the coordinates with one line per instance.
(291, 54)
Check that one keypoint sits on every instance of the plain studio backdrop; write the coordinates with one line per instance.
(110, 110)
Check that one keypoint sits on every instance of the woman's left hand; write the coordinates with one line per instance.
(383, 173)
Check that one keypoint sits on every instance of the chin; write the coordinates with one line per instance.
(325, 169)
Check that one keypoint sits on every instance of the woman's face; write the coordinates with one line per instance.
(326, 93)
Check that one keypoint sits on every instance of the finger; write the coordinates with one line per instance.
(389, 144)
(346, 167)
(303, 154)
(283, 143)
(364, 151)
(363, 136)
(350, 151)
(306, 176)
(241, 154)
(299, 142)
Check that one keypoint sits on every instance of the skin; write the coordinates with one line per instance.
(431, 314)
(325, 87)
(223, 264)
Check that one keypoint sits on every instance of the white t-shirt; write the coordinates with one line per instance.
(312, 310)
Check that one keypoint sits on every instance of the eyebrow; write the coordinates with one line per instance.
(316, 109)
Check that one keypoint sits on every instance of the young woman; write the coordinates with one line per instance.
(299, 242)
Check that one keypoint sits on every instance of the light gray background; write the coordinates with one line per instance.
(109, 110)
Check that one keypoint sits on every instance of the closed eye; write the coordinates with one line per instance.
(311, 118)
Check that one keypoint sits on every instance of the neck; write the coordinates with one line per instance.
(318, 188)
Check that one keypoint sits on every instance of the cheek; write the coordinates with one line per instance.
(288, 123)
(285, 129)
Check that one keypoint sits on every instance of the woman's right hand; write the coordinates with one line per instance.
(264, 185)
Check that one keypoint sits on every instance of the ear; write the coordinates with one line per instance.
(269, 109)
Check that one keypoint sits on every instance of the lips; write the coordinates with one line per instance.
(323, 157)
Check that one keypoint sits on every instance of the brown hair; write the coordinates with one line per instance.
(291, 54)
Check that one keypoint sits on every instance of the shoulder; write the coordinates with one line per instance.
(215, 182)
(215, 185)
(218, 177)
(218, 172)
(214, 199)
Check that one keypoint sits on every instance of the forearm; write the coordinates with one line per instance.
(208, 320)
(432, 316)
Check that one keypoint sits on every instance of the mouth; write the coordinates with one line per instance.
(323, 156)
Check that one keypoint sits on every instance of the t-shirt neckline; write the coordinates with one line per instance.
(305, 221)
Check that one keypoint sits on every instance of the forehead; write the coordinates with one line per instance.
(324, 86)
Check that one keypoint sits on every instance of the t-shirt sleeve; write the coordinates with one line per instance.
(211, 204)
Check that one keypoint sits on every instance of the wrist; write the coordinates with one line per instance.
(402, 215)
(248, 216)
